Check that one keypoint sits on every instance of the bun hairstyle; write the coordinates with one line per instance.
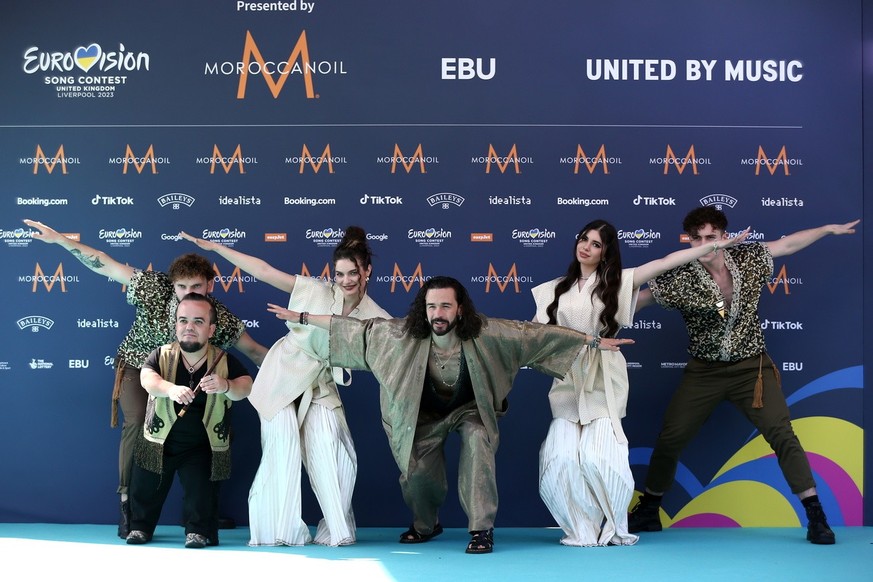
(354, 247)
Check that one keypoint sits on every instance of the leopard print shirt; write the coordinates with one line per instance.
(154, 324)
(715, 332)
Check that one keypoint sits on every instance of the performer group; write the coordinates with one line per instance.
(442, 368)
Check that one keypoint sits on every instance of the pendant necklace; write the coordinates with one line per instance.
(442, 364)
(192, 367)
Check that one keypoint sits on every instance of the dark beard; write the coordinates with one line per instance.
(191, 347)
(451, 325)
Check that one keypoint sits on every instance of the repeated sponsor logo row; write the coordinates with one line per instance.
(440, 201)
(501, 277)
(416, 160)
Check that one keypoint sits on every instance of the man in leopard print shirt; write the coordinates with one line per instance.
(718, 298)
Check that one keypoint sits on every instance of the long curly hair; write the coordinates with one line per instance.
(469, 323)
(608, 277)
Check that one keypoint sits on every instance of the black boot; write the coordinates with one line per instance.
(645, 516)
(124, 520)
(818, 531)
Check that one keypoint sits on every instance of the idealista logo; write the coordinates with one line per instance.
(601, 160)
(407, 281)
(326, 237)
(719, 201)
(18, 238)
(780, 162)
(315, 162)
(224, 236)
(120, 237)
(445, 200)
(429, 237)
(62, 70)
(416, 160)
(783, 280)
(276, 73)
(465, 68)
(502, 162)
(236, 276)
(48, 281)
(176, 200)
(236, 160)
(34, 323)
(639, 238)
(502, 281)
(534, 237)
(670, 159)
(41, 160)
(139, 162)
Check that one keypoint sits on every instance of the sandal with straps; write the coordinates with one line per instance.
(413, 536)
(482, 541)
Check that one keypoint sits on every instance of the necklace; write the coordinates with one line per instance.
(192, 367)
(586, 277)
(442, 364)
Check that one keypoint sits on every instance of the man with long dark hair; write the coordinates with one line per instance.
(447, 368)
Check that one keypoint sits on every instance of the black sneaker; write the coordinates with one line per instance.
(195, 540)
(137, 537)
(818, 531)
(644, 517)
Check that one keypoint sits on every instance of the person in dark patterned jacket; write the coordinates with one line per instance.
(718, 298)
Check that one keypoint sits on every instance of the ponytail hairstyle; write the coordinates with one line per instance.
(608, 277)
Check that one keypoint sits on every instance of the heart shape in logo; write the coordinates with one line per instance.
(86, 57)
(639, 233)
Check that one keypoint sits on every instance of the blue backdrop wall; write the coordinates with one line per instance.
(470, 139)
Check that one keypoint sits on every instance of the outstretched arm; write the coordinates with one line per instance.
(252, 265)
(792, 243)
(676, 259)
(97, 261)
(321, 321)
(644, 299)
(252, 349)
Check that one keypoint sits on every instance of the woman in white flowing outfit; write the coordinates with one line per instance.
(585, 476)
(295, 395)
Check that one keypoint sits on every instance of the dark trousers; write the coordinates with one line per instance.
(148, 492)
(424, 484)
(704, 386)
(132, 400)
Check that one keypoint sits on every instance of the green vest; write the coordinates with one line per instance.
(161, 415)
